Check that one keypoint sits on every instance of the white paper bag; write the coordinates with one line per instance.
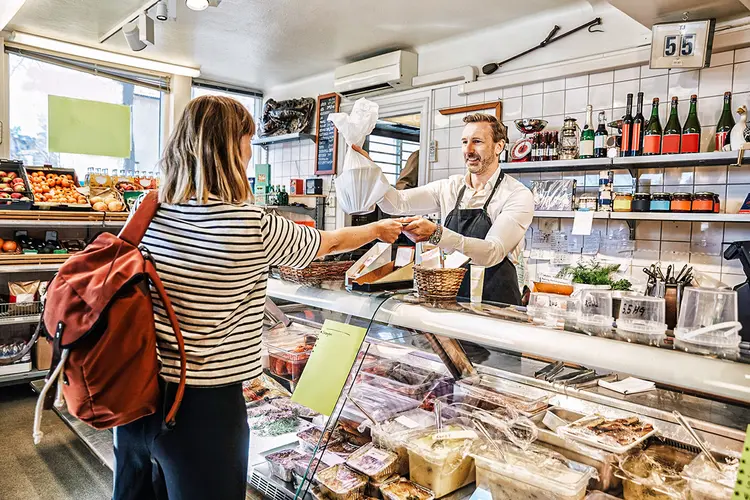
(361, 184)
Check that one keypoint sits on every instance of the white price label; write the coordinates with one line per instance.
(407, 422)
(463, 434)
(378, 455)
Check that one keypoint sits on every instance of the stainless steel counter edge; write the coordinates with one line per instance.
(707, 375)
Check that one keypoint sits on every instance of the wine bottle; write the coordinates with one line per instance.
(652, 134)
(627, 129)
(670, 143)
(636, 140)
(543, 146)
(691, 132)
(586, 146)
(555, 155)
(535, 147)
(726, 122)
(600, 137)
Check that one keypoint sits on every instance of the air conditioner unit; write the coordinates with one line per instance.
(392, 71)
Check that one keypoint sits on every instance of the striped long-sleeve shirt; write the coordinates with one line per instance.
(214, 261)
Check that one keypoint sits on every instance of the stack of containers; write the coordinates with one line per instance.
(606, 182)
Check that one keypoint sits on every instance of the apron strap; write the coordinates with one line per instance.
(494, 188)
(460, 198)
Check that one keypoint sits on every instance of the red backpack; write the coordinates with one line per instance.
(99, 315)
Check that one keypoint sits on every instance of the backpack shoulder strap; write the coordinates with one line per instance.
(138, 224)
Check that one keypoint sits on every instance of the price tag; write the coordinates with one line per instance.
(462, 434)
(378, 455)
(583, 222)
(632, 311)
(407, 422)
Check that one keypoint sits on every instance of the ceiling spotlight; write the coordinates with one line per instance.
(196, 4)
(161, 10)
(139, 33)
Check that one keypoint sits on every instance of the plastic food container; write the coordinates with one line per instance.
(390, 435)
(339, 482)
(373, 487)
(596, 313)
(534, 474)
(708, 322)
(591, 430)
(489, 393)
(402, 378)
(343, 449)
(288, 355)
(282, 463)
(444, 465)
(304, 466)
(403, 489)
(309, 438)
(379, 403)
(375, 463)
(707, 483)
(654, 473)
(642, 320)
(554, 311)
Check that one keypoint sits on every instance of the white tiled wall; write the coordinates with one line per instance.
(553, 100)
(296, 160)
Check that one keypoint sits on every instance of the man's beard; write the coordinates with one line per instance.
(482, 167)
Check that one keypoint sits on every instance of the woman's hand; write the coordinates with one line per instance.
(388, 230)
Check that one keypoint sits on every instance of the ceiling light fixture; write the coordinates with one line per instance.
(197, 4)
(162, 12)
(72, 49)
(140, 33)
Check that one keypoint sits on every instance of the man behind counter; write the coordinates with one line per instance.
(485, 213)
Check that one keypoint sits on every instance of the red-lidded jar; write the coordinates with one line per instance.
(681, 202)
(703, 203)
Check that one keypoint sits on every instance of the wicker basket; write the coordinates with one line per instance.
(316, 272)
(438, 284)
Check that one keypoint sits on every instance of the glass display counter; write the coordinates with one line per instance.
(482, 375)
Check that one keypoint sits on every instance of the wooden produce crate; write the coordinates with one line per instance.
(42, 204)
(31, 259)
(14, 168)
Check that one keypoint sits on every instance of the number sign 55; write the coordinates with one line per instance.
(686, 44)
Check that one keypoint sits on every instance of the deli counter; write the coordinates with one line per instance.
(515, 394)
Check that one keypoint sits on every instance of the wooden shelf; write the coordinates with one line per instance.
(30, 263)
(58, 218)
(634, 216)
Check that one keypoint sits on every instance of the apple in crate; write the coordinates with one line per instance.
(12, 175)
(3, 173)
(16, 196)
(6, 180)
(18, 188)
(7, 189)
(4, 196)
(17, 180)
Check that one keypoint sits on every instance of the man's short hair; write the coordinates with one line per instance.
(499, 131)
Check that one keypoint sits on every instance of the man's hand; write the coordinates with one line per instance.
(388, 230)
(420, 229)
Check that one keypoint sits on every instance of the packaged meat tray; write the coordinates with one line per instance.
(526, 400)
(282, 463)
(405, 490)
(342, 449)
(533, 474)
(615, 435)
(375, 463)
(402, 378)
(379, 403)
(288, 355)
(341, 483)
(440, 460)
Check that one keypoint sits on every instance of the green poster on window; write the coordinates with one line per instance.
(88, 127)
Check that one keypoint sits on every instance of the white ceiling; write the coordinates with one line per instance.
(261, 43)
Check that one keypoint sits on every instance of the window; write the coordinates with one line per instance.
(390, 154)
(32, 81)
(252, 100)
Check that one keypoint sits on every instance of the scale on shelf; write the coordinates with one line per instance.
(521, 150)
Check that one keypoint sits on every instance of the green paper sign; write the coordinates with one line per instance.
(88, 127)
(742, 488)
(327, 369)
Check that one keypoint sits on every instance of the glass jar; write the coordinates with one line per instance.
(587, 202)
(703, 203)
(660, 202)
(623, 202)
(681, 202)
(641, 202)
(717, 203)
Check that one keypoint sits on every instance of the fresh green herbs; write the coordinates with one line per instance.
(594, 273)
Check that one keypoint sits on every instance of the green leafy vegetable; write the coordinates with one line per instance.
(594, 273)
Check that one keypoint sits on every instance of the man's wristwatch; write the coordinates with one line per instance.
(436, 236)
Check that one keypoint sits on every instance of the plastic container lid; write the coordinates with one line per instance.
(292, 348)
(538, 467)
(441, 452)
(389, 433)
(399, 377)
(647, 328)
(375, 463)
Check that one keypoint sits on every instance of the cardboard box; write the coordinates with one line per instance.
(376, 257)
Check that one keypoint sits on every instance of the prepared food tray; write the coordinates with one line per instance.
(281, 463)
(379, 403)
(56, 188)
(526, 400)
(375, 463)
(288, 355)
(339, 482)
(342, 449)
(405, 489)
(617, 435)
(15, 191)
(309, 438)
(401, 378)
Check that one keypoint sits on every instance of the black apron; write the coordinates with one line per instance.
(501, 280)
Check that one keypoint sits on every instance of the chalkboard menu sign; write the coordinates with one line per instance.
(327, 140)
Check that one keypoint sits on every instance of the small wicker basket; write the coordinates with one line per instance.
(316, 273)
(440, 283)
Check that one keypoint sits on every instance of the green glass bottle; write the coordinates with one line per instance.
(726, 122)
(691, 132)
(652, 134)
(670, 143)
(586, 147)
